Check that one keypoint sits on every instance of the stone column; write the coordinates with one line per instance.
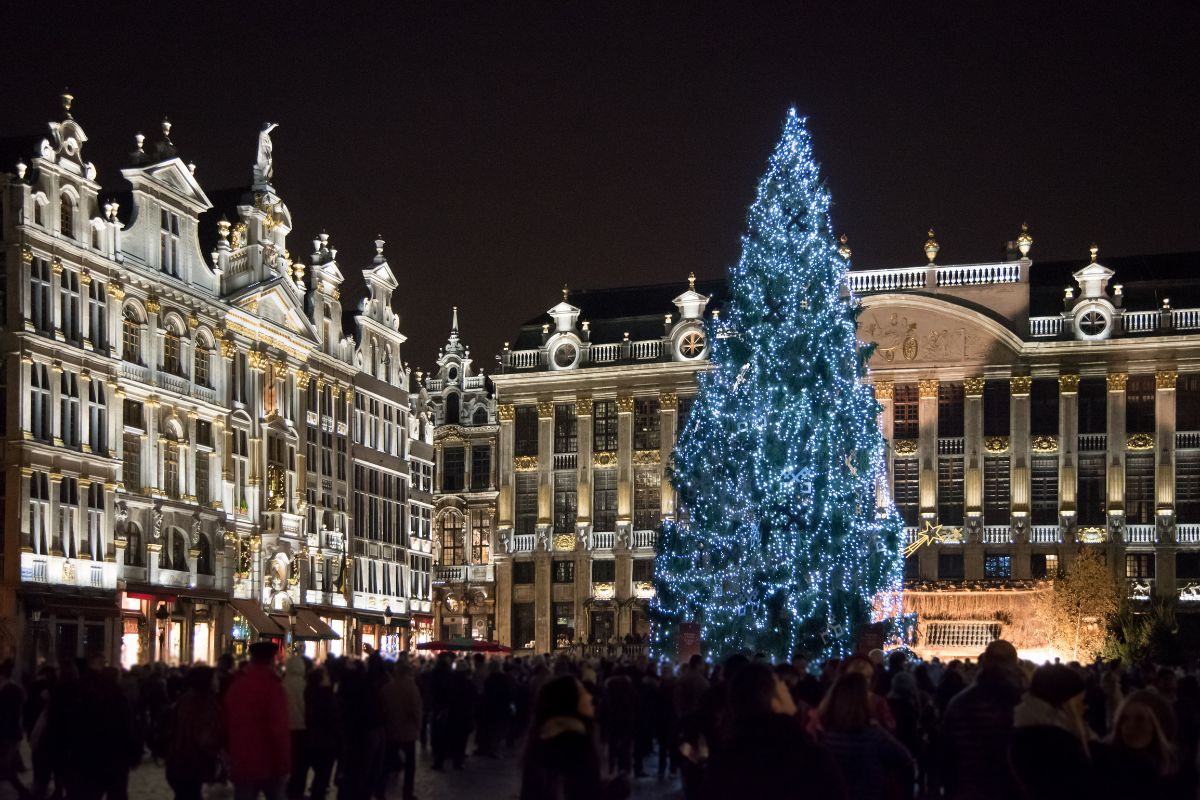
(1165, 583)
(885, 393)
(973, 449)
(1068, 454)
(541, 602)
(56, 373)
(1019, 448)
(506, 413)
(625, 464)
(152, 456)
(85, 410)
(927, 447)
(82, 529)
(583, 417)
(23, 405)
(668, 403)
(55, 539)
(300, 405)
(151, 352)
(56, 270)
(504, 600)
(1116, 460)
(546, 466)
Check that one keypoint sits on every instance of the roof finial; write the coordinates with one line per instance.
(1024, 241)
(67, 99)
(379, 243)
(454, 320)
(931, 247)
(1095, 251)
(844, 246)
(566, 291)
(692, 281)
(166, 128)
(141, 140)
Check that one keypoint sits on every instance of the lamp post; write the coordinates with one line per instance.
(292, 623)
(387, 626)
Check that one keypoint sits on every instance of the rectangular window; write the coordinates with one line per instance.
(646, 424)
(481, 536)
(905, 411)
(912, 567)
(563, 615)
(132, 412)
(1139, 565)
(41, 307)
(524, 572)
(566, 502)
(1043, 407)
(1139, 404)
(1091, 500)
(1044, 490)
(97, 416)
(566, 428)
(98, 316)
(68, 508)
(527, 503)
(950, 490)
(481, 467)
(997, 566)
(643, 570)
(69, 409)
(525, 431)
(168, 250)
(562, 570)
(906, 492)
(950, 566)
(997, 400)
(523, 626)
(1093, 405)
(203, 487)
(604, 500)
(131, 465)
(1043, 565)
(1187, 566)
(1139, 488)
(68, 290)
(95, 521)
(39, 512)
(40, 410)
(997, 504)
(604, 570)
(453, 466)
(1187, 486)
(950, 410)
(604, 426)
(1187, 402)
(684, 413)
(647, 503)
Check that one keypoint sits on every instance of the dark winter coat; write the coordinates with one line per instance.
(321, 720)
(195, 738)
(561, 763)
(976, 733)
(873, 763)
(1048, 757)
(771, 757)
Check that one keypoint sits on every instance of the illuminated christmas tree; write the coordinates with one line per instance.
(780, 546)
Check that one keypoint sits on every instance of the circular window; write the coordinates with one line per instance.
(452, 373)
(1093, 322)
(692, 345)
(565, 355)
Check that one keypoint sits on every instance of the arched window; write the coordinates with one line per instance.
(200, 369)
(204, 560)
(480, 416)
(452, 409)
(66, 216)
(131, 337)
(172, 345)
(180, 550)
(133, 545)
(452, 540)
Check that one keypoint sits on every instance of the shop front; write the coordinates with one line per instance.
(422, 631)
(60, 625)
(172, 626)
(385, 634)
(250, 624)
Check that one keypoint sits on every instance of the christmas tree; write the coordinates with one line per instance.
(780, 545)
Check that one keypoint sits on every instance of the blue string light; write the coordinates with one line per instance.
(781, 545)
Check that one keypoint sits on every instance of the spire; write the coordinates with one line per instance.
(454, 321)
(453, 345)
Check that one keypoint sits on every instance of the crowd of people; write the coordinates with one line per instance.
(886, 726)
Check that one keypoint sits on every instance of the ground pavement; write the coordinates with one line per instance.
(490, 778)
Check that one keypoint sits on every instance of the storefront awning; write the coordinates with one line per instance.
(309, 627)
(258, 619)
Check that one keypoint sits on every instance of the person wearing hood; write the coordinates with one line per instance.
(1050, 741)
(293, 687)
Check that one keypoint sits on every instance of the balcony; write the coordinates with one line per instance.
(524, 359)
(524, 542)
(910, 534)
(435, 384)
(1045, 326)
(1187, 534)
(566, 460)
(997, 534)
(452, 574)
(603, 540)
(887, 280)
(979, 274)
(1140, 321)
(1141, 534)
(1093, 442)
(1187, 440)
(950, 446)
(1045, 534)
(172, 383)
(605, 353)
(1185, 319)
(644, 539)
(651, 348)
(134, 371)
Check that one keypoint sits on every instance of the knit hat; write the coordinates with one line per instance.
(999, 653)
(1056, 684)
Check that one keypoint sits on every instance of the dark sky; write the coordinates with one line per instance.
(503, 149)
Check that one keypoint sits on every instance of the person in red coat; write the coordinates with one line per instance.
(256, 718)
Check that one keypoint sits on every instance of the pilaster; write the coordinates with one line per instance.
(1116, 455)
(885, 394)
(1164, 441)
(1019, 449)
(506, 413)
(625, 462)
(583, 419)
(973, 448)
(545, 463)
(1068, 452)
(927, 447)
(668, 403)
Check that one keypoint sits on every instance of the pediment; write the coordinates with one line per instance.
(910, 332)
(276, 305)
(174, 175)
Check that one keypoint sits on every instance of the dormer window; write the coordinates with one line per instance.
(168, 251)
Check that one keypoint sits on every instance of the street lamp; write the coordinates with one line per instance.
(162, 615)
(387, 627)
(292, 623)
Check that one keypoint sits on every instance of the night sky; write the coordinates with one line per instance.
(503, 149)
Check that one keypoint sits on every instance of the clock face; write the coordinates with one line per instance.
(692, 345)
(565, 355)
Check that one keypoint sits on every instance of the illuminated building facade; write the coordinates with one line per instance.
(179, 416)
